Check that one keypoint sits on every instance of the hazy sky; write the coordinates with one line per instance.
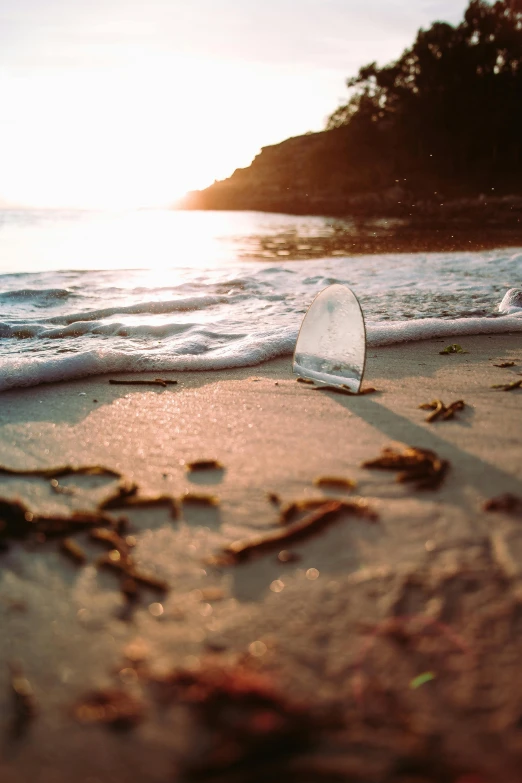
(132, 102)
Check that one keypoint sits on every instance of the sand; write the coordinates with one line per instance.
(306, 624)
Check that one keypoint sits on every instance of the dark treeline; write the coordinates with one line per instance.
(436, 134)
(448, 112)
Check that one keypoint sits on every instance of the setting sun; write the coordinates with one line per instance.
(126, 105)
(140, 134)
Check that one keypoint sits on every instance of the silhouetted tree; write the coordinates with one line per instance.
(450, 108)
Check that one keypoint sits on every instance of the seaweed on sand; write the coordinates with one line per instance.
(509, 503)
(133, 501)
(204, 464)
(17, 521)
(120, 495)
(273, 498)
(123, 565)
(508, 386)
(200, 499)
(316, 520)
(440, 410)
(454, 348)
(290, 511)
(335, 482)
(420, 466)
(62, 470)
(73, 551)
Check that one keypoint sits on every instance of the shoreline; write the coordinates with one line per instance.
(349, 234)
(302, 624)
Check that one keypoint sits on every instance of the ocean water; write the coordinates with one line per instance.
(84, 293)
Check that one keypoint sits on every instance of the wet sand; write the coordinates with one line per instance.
(342, 628)
(370, 236)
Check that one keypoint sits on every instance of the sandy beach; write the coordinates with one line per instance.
(342, 627)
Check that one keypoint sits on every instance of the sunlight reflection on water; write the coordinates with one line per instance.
(44, 240)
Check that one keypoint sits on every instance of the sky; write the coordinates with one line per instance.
(130, 103)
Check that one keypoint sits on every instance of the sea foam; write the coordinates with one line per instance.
(57, 326)
(242, 351)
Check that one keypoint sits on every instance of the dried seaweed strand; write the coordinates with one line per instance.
(243, 549)
(102, 535)
(439, 409)
(290, 511)
(421, 466)
(508, 503)
(117, 499)
(18, 521)
(508, 386)
(58, 525)
(63, 470)
(273, 498)
(153, 501)
(436, 406)
(335, 482)
(204, 464)
(199, 499)
(73, 551)
(452, 408)
(124, 566)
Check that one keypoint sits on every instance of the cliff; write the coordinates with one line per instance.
(350, 171)
(311, 174)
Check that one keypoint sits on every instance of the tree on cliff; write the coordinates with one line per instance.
(451, 106)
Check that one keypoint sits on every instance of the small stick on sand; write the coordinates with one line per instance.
(155, 382)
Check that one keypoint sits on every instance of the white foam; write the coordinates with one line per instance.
(388, 333)
(237, 314)
(239, 351)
